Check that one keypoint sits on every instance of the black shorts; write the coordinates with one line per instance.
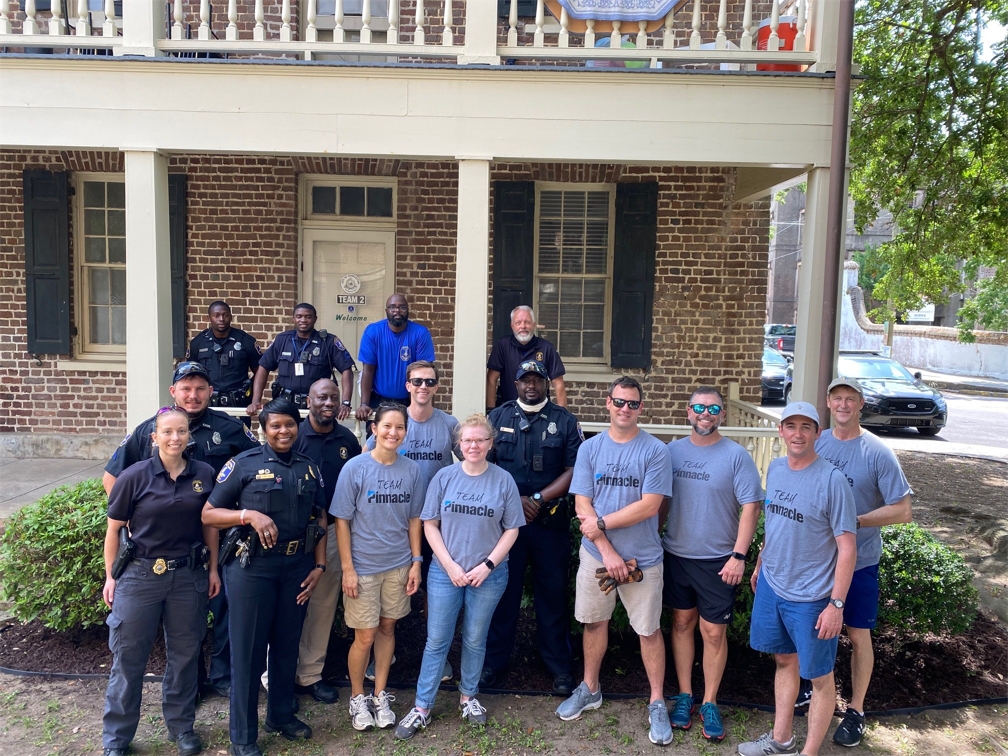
(695, 584)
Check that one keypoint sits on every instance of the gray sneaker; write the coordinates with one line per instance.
(765, 745)
(446, 671)
(411, 724)
(369, 672)
(661, 729)
(581, 700)
(473, 712)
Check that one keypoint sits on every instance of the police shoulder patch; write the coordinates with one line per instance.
(339, 345)
(128, 436)
(226, 471)
(249, 433)
(580, 432)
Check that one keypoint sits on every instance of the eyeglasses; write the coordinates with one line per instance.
(473, 441)
(712, 409)
(170, 408)
(634, 404)
(428, 382)
(399, 308)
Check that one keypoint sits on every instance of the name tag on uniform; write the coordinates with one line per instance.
(298, 368)
(506, 430)
(264, 475)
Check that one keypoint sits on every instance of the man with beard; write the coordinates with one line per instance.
(386, 350)
(228, 354)
(511, 351)
(537, 443)
(215, 438)
(329, 445)
(706, 541)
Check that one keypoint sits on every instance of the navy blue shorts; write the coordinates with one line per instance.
(780, 626)
(861, 608)
(696, 584)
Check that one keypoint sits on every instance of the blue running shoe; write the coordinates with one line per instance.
(710, 718)
(681, 712)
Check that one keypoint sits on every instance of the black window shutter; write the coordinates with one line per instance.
(514, 251)
(633, 274)
(47, 261)
(526, 8)
(177, 247)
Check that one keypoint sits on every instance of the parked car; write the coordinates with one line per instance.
(893, 397)
(776, 379)
(780, 336)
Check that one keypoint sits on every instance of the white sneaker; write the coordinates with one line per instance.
(360, 713)
(383, 715)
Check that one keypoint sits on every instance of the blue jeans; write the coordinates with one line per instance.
(444, 602)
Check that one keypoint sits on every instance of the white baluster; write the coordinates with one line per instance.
(694, 40)
(615, 42)
(83, 19)
(339, 35)
(590, 33)
(564, 38)
(721, 41)
(392, 36)
(540, 18)
(513, 24)
(285, 18)
(447, 35)
(109, 27)
(668, 36)
(311, 32)
(365, 34)
(418, 20)
(30, 25)
(177, 15)
(204, 24)
(57, 24)
(773, 44)
(259, 31)
(642, 35)
(232, 27)
(799, 42)
(746, 42)
(5, 24)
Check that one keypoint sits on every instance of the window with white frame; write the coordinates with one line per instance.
(573, 269)
(100, 283)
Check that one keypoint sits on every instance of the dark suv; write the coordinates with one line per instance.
(893, 397)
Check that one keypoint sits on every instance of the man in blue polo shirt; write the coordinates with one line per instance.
(511, 351)
(386, 350)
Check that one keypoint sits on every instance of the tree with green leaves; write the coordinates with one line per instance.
(929, 143)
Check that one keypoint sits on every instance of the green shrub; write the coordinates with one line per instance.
(924, 586)
(51, 563)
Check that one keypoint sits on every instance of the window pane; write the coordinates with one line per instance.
(549, 290)
(99, 325)
(117, 250)
(596, 260)
(94, 194)
(116, 194)
(550, 204)
(597, 233)
(379, 201)
(94, 222)
(592, 344)
(573, 233)
(550, 336)
(99, 287)
(570, 290)
(574, 204)
(549, 246)
(593, 317)
(94, 249)
(117, 286)
(570, 317)
(570, 343)
(549, 316)
(598, 205)
(594, 290)
(324, 200)
(117, 223)
(351, 200)
(118, 330)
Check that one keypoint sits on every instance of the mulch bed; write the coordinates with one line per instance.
(918, 672)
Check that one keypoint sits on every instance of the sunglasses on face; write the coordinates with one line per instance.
(428, 382)
(712, 409)
(634, 404)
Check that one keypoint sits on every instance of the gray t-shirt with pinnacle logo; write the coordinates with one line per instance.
(805, 511)
(614, 475)
(379, 501)
(474, 510)
(429, 443)
(709, 484)
(876, 480)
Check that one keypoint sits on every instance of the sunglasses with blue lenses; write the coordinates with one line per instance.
(712, 409)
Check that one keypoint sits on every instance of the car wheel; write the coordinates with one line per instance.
(787, 395)
(928, 431)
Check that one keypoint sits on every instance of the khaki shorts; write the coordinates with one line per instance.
(642, 601)
(381, 595)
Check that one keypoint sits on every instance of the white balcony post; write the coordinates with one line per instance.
(178, 16)
(447, 34)
(148, 285)
(259, 31)
(109, 27)
(695, 41)
(615, 38)
(285, 19)
(365, 32)
(512, 38)
(823, 25)
(204, 14)
(480, 33)
(800, 42)
(83, 19)
(564, 39)
(232, 27)
(746, 42)
(418, 21)
(5, 24)
(30, 25)
(339, 34)
(392, 36)
(773, 43)
(143, 26)
(57, 24)
(589, 40)
(721, 41)
(472, 271)
(540, 18)
(668, 36)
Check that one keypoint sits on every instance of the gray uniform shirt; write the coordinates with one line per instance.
(474, 510)
(805, 511)
(614, 475)
(379, 501)
(876, 480)
(709, 484)
(429, 444)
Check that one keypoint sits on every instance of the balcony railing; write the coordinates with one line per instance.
(462, 31)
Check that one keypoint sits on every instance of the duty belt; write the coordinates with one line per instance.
(160, 566)
(300, 400)
(236, 398)
(283, 548)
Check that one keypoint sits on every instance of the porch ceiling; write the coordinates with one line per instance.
(511, 113)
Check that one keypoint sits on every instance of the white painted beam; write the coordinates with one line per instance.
(148, 286)
(472, 271)
(756, 183)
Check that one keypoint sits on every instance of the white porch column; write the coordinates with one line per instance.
(480, 34)
(143, 26)
(472, 271)
(148, 286)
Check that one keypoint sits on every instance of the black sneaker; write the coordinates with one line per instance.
(851, 728)
(804, 694)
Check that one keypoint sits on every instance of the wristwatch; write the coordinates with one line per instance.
(345, 402)
(601, 524)
(490, 565)
(738, 555)
(537, 497)
(837, 603)
(320, 567)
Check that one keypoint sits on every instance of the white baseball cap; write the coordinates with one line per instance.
(800, 409)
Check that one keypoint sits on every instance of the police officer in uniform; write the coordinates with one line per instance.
(301, 357)
(275, 495)
(214, 438)
(229, 355)
(537, 443)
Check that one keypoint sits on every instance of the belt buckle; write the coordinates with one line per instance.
(292, 547)
(160, 566)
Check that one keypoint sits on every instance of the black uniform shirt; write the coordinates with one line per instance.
(286, 491)
(329, 451)
(228, 360)
(549, 441)
(320, 355)
(507, 354)
(163, 514)
(214, 438)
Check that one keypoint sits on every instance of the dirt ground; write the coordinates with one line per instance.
(43, 718)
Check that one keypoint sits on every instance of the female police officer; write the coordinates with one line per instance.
(275, 495)
(159, 500)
